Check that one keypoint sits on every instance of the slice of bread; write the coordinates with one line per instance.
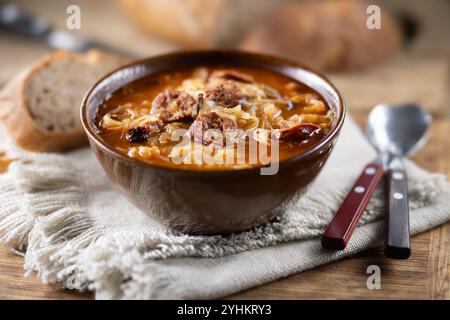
(40, 107)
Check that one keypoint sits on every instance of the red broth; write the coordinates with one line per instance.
(162, 118)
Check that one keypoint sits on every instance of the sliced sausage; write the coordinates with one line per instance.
(232, 75)
(209, 120)
(226, 94)
(173, 105)
(299, 132)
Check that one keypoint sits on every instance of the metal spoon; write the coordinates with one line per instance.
(397, 132)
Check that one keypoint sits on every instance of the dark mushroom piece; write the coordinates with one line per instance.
(137, 134)
(142, 132)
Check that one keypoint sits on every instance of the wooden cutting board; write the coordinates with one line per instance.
(420, 73)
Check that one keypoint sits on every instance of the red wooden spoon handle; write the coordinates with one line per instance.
(344, 222)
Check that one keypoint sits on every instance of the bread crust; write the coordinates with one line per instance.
(198, 23)
(182, 22)
(326, 35)
(19, 122)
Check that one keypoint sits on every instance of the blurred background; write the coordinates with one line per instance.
(407, 60)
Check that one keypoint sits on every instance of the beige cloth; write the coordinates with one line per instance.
(74, 228)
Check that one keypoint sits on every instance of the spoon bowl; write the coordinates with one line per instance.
(399, 131)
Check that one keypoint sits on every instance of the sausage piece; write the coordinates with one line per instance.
(232, 75)
(209, 120)
(226, 94)
(173, 105)
(299, 132)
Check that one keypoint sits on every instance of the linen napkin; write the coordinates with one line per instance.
(74, 228)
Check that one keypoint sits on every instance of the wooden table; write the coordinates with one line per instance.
(417, 75)
(424, 276)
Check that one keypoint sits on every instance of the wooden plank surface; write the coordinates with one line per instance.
(424, 276)
(421, 74)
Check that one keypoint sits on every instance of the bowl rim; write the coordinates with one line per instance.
(93, 136)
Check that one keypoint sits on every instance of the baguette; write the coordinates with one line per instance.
(39, 108)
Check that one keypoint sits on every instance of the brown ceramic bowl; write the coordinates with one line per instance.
(210, 202)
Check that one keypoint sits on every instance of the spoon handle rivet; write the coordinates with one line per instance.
(370, 171)
(397, 195)
(398, 176)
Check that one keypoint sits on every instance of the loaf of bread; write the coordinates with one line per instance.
(40, 107)
(198, 23)
(331, 35)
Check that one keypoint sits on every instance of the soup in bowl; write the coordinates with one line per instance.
(212, 141)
